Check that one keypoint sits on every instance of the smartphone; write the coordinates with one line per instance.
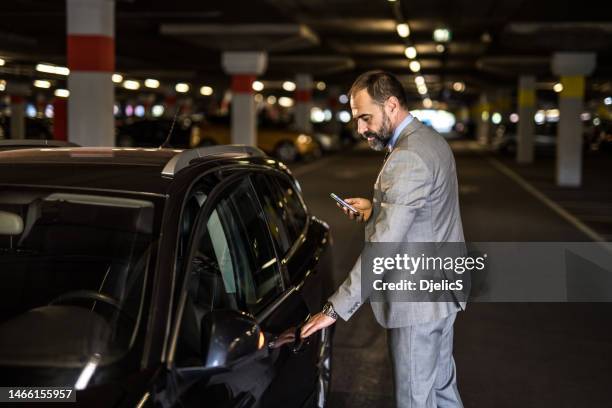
(344, 204)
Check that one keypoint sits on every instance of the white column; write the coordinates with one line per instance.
(91, 59)
(17, 93)
(303, 102)
(526, 126)
(571, 67)
(244, 67)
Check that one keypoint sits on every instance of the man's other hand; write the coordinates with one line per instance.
(364, 206)
(316, 323)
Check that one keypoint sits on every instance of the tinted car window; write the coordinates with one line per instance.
(277, 214)
(293, 203)
(255, 261)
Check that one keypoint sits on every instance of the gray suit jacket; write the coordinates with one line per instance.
(415, 200)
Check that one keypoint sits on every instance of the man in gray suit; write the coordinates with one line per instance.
(415, 200)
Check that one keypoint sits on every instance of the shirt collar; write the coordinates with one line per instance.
(398, 131)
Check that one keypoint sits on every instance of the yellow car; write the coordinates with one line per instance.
(284, 144)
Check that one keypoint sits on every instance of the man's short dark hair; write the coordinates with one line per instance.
(381, 86)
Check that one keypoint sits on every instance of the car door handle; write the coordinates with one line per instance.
(300, 344)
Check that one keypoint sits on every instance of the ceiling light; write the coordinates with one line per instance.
(403, 30)
(52, 69)
(285, 102)
(271, 99)
(558, 87)
(62, 93)
(486, 37)
(321, 86)
(440, 48)
(410, 52)
(132, 85)
(206, 90)
(257, 86)
(289, 86)
(2, 62)
(415, 66)
(608, 101)
(459, 86)
(151, 83)
(441, 35)
(2, 85)
(427, 103)
(39, 83)
(419, 80)
(181, 87)
(117, 78)
(422, 89)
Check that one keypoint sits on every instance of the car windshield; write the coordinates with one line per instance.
(73, 270)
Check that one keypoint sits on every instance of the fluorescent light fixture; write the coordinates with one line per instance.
(410, 52)
(132, 85)
(442, 35)
(62, 93)
(117, 78)
(151, 83)
(41, 83)
(403, 30)
(181, 87)
(415, 66)
(257, 86)
(289, 86)
(52, 69)
(206, 90)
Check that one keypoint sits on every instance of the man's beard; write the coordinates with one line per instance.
(379, 140)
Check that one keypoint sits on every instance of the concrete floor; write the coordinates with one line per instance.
(507, 355)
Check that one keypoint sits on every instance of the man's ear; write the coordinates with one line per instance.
(391, 105)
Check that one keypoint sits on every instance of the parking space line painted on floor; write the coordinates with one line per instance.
(502, 168)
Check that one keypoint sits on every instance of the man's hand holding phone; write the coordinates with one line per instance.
(362, 205)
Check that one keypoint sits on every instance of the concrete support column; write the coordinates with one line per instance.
(483, 124)
(91, 59)
(244, 67)
(18, 93)
(571, 67)
(526, 126)
(303, 102)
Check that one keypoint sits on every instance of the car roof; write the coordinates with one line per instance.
(143, 170)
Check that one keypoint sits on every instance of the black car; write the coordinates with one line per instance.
(155, 132)
(161, 278)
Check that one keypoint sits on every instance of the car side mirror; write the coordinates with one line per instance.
(230, 338)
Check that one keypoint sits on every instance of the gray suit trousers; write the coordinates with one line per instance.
(424, 373)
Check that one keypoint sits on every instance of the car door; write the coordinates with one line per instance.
(233, 264)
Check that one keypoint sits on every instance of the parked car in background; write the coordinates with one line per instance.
(277, 140)
(161, 278)
(154, 132)
(545, 141)
(35, 128)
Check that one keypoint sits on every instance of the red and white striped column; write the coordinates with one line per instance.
(91, 59)
(244, 67)
(303, 102)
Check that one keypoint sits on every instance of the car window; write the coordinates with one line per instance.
(258, 275)
(279, 219)
(292, 201)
